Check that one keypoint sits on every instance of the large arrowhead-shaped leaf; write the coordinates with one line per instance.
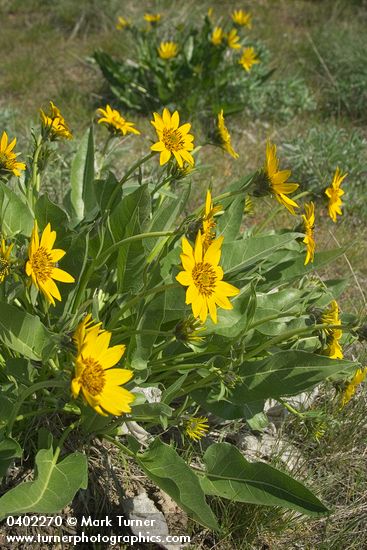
(22, 332)
(15, 216)
(53, 488)
(82, 194)
(241, 254)
(286, 373)
(170, 472)
(231, 476)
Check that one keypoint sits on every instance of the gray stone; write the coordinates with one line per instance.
(142, 508)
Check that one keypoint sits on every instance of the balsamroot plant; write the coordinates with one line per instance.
(118, 289)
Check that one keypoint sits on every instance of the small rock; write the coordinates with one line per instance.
(152, 394)
(142, 508)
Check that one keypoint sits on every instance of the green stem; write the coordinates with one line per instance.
(27, 393)
(39, 412)
(290, 408)
(137, 298)
(126, 177)
(119, 445)
(34, 184)
(286, 336)
(274, 212)
(63, 439)
(100, 261)
(152, 235)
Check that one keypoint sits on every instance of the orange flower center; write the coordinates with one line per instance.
(42, 264)
(172, 140)
(5, 161)
(204, 278)
(93, 376)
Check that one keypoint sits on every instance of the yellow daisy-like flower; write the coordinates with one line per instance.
(173, 139)
(309, 224)
(242, 18)
(167, 50)
(197, 427)
(5, 259)
(42, 262)
(351, 388)
(122, 23)
(334, 193)
(277, 179)
(225, 137)
(81, 331)
(115, 122)
(233, 39)
(248, 58)
(54, 124)
(217, 36)
(209, 224)
(333, 335)
(152, 17)
(8, 159)
(94, 376)
(203, 277)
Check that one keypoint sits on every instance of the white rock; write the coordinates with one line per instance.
(142, 508)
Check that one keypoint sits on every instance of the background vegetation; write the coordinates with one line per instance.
(314, 106)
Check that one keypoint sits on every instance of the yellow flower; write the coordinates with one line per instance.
(167, 50)
(233, 39)
(197, 427)
(248, 58)
(152, 17)
(210, 12)
(173, 139)
(209, 224)
(309, 224)
(217, 36)
(41, 265)
(85, 326)
(8, 159)
(334, 193)
(351, 388)
(333, 335)
(115, 122)
(94, 375)
(203, 277)
(122, 23)
(276, 179)
(225, 137)
(242, 18)
(4, 260)
(54, 123)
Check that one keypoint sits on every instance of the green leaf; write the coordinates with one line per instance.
(285, 272)
(22, 332)
(129, 218)
(169, 471)
(152, 410)
(53, 489)
(241, 254)
(150, 320)
(9, 449)
(225, 408)
(15, 216)
(48, 212)
(82, 194)
(233, 322)
(286, 373)
(229, 475)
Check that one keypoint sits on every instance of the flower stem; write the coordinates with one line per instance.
(27, 393)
